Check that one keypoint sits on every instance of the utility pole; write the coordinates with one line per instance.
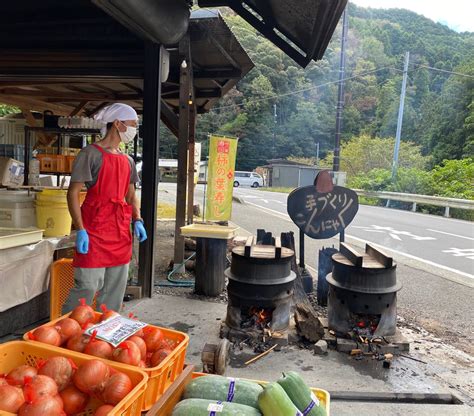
(340, 93)
(274, 127)
(400, 117)
(317, 154)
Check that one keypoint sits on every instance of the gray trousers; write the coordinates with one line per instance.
(109, 283)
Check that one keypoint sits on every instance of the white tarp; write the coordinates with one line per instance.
(24, 272)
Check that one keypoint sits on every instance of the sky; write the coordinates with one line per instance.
(457, 14)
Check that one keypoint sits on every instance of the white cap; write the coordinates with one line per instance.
(116, 111)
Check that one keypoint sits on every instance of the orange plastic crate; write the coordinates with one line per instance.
(16, 353)
(159, 377)
(62, 281)
(52, 163)
(69, 163)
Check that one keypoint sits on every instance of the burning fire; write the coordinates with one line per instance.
(263, 315)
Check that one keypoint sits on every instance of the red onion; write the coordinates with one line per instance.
(128, 353)
(159, 355)
(60, 369)
(153, 338)
(116, 388)
(83, 313)
(16, 377)
(47, 335)
(67, 328)
(39, 386)
(140, 343)
(103, 410)
(91, 376)
(11, 398)
(77, 343)
(98, 348)
(74, 400)
(107, 313)
(44, 406)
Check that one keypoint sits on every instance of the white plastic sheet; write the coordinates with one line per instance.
(24, 272)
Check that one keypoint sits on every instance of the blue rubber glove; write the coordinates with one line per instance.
(82, 242)
(139, 230)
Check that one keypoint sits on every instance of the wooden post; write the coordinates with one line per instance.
(182, 155)
(151, 149)
(191, 161)
(210, 266)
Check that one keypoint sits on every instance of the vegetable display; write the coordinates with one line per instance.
(224, 396)
(203, 407)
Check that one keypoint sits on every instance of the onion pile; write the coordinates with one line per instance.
(60, 388)
(146, 348)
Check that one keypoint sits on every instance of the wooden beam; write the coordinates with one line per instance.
(132, 87)
(35, 104)
(96, 109)
(67, 95)
(169, 117)
(79, 108)
(182, 154)
(200, 94)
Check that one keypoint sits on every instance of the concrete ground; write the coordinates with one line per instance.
(333, 372)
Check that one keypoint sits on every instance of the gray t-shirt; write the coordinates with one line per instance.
(87, 165)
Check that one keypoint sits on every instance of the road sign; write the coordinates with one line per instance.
(322, 214)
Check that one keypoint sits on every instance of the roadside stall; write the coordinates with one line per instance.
(73, 60)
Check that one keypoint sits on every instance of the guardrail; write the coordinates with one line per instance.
(415, 199)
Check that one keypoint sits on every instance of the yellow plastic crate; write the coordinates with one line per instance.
(160, 377)
(165, 406)
(16, 353)
(61, 283)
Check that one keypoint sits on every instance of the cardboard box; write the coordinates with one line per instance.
(12, 172)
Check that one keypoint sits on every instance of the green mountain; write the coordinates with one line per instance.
(280, 109)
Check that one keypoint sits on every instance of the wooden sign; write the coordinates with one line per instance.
(322, 214)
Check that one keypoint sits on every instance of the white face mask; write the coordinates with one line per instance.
(128, 135)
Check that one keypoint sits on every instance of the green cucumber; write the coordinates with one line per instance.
(300, 394)
(219, 388)
(203, 407)
(273, 401)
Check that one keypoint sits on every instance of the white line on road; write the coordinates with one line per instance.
(463, 281)
(454, 235)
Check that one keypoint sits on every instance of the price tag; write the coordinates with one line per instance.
(215, 408)
(116, 329)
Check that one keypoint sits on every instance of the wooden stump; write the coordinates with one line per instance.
(210, 265)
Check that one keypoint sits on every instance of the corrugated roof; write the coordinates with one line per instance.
(301, 28)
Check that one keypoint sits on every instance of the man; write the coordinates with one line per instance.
(104, 241)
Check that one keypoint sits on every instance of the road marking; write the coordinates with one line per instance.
(461, 252)
(454, 235)
(462, 281)
(469, 283)
(395, 234)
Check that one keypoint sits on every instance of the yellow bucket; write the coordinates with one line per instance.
(52, 214)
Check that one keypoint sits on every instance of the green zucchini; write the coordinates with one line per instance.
(273, 401)
(203, 407)
(220, 388)
(300, 394)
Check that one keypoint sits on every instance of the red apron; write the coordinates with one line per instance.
(106, 216)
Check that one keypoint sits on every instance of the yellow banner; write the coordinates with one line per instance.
(220, 179)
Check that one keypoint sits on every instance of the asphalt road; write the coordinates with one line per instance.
(439, 242)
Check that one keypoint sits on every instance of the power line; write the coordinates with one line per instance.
(357, 75)
(445, 71)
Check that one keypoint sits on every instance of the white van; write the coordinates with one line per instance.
(247, 179)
